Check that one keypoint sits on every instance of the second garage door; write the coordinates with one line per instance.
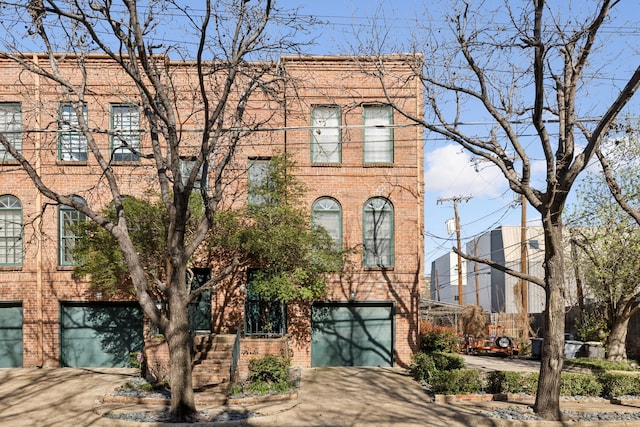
(99, 334)
(352, 334)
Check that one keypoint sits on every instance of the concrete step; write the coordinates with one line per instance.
(211, 360)
(201, 356)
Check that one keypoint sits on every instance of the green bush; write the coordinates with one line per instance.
(457, 381)
(439, 339)
(269, 374)
(572, 384)
(422, 366)
(269, 369)
(447, 361)
(512, 382)
(616, 385)
(599, 364)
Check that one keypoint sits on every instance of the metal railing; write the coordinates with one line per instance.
(265, 318)
(235, 356)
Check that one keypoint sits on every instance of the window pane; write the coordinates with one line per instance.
(378, 134)
(186, 166)
(11, 127)
(125, 143)
(73, 144)
(378, 233)
(326, 213)
(325, 134)
(257, 178)
(69, 218)
(10, 231)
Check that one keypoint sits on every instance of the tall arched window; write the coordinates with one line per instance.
(10, 231)
(378, 233)
(68, 219)
(326, 212)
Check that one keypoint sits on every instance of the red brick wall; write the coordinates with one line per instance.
(40, 284)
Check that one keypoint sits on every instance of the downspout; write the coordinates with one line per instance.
(38, 228)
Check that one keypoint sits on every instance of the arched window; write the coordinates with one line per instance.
(326, 212)
(68, 220)
(378, 233)
(10, 231)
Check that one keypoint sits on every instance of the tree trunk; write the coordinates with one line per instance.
(183, 407)
(547, 403)
(616, 341)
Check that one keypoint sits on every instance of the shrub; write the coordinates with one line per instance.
(572, 384)
(457, 381)
(422, 366)
(512, 382)
(438, 338)
(615, 385)
(447, 361)
(269, 374)
(599, 364)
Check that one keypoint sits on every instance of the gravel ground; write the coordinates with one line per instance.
(163, 415)
(526, 414)
(133, 389)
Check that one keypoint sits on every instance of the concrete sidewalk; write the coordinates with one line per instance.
(327, 397)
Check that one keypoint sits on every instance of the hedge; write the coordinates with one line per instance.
(571, 384)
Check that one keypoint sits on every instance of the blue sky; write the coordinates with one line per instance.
(449, 171)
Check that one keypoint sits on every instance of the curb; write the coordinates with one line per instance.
(201, 400)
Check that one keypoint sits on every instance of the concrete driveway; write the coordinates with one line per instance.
(56, 397)
(367, 397)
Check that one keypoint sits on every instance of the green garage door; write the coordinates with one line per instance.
(99, 334)
(352, 334)
(10, 335)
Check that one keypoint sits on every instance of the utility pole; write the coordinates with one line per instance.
(455, 201)
(524, 288)
(475, 270)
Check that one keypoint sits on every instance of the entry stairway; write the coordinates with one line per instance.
(211, 361)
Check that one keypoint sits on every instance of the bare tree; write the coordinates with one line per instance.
(525, 74)
(211, 93)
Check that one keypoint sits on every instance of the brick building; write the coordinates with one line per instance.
(359, 159)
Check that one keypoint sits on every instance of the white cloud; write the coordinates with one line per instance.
(449, 171)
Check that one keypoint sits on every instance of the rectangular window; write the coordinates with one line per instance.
(186, 166)
(125, 137)
(257, 181)
(326, 146)
(378, 134)
(11, 128)
(72, 143)
(69, 219)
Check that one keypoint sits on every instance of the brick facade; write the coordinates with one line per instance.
(40, 284)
